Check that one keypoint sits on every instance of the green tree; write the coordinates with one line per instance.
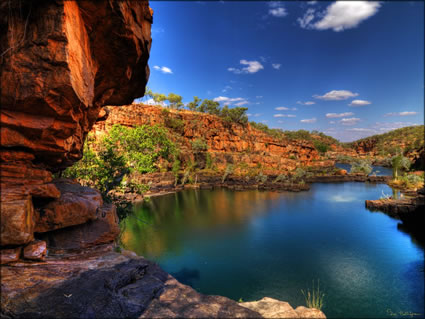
(159, 97)
(399, 162)
(193, 106)
(236, 114)
(210, 106)
(175, 100)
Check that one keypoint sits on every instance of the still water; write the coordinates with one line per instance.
(376, 170)
(252, 244)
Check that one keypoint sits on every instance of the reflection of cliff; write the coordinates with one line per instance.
(227, 142)
(157, 225)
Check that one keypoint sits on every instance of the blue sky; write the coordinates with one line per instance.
(349, 69)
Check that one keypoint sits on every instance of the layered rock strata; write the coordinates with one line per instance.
(228, 143)
(61, 61)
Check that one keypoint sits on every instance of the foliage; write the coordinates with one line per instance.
(229, 169)
(102, 170)
(410, 138)
(106, 164)
(199, 145)
(314, 298)
(320, 146)
(175, 100)
(361, 166)
(193, 106)
(281, 178)
(261, 178)
(175, 124)
(300, 175)
(399, 162)
(141, 146)
(236, 114)
(209, 163)
(210, 106)
(176, 169)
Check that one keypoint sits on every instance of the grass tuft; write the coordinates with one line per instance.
(314, 298)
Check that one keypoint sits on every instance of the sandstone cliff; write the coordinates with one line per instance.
(228, 142)
(61, 61)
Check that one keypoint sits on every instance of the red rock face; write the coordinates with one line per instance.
(35, 250)
(227, 142)
(61, 61)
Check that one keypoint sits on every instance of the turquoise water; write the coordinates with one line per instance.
(252, 244)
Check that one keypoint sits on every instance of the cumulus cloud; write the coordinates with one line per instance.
(349, 121)
(163, 69)
(227, 88)
(313, 120)
(254, 115)
(359, 103)
(335, 115)
(277, 9)
(342, 15)
(251, 67)
(336, 95)
(276, 66)
(405, 113)
(306, 103)
(238, 101)
(284, 115)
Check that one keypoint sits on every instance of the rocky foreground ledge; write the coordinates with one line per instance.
(98, 282)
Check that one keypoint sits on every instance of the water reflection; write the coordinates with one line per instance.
(156, 225)
(253, 244)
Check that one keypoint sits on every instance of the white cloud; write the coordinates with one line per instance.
(332, 122)
(359, 103)
(254, 115)
(163, 69)
(313, 120)
(252, 67)
(342, 15)
(152, 102)
(305, 21)
(349, 121)
(276, 66)
(306, 103)
(360, 129)
(284, 115)
(259, 96)
(336, 95)
(283, 108)
(241, 103)
(405, 113)
(238, 101)
(335, 115)
(277, 9)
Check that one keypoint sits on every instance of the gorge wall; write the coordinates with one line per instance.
(228, 142)
(61, 61)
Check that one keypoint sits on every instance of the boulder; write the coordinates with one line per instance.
(273, 308)
(104, 229)
(76, 205)
(36, 250)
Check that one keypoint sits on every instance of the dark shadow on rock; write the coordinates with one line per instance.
(122, 291)
(187, 276)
